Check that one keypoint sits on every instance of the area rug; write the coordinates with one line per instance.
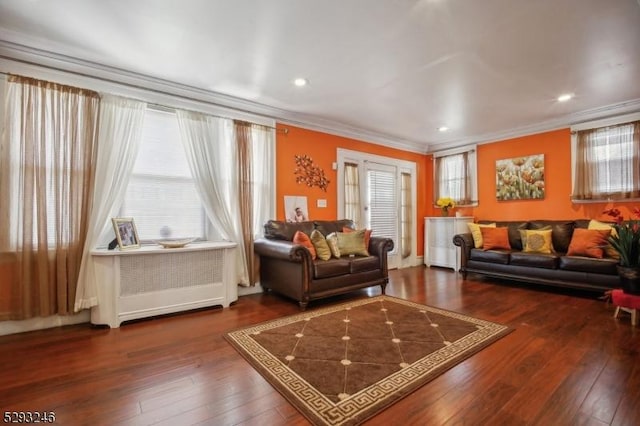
(342, 364)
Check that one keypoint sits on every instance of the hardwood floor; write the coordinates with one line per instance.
(568, 362)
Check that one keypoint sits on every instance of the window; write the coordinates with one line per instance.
(161, 195)
(382, 203)
(406, 215)
(607, 162)
(455, 176)
(352, 206)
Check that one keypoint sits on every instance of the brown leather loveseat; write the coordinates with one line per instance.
(556, 268)
(288, 268)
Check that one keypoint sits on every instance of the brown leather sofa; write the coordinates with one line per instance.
(288, 269)
(555, 269)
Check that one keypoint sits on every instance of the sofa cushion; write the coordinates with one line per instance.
(535, 260)
(588, 242)
(495, 238)
(362, 264)
(588, 264)
(304, 240)
(367, 234)
(281, 230)
(474, 228)
(490, 256)
(331, 268)
(536, 241)
(609, 251)
(561, 232)
(514, 228)
(352, 243)
(329, 226)
(332, 241)
(320, 244)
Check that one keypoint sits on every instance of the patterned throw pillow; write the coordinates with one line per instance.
(495, 238)
(474, 228)
(303, 239)
(332, 241)
(320, 244)
(536, 241)
(588, 242)
(352, 243)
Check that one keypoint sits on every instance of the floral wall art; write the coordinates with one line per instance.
(520, 178)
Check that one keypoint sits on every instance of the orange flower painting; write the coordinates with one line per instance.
(520, 178)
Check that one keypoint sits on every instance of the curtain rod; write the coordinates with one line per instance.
(153, 105)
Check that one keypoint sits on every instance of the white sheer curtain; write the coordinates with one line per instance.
(210, 147)
(263, 162)
(352, 205)
(608, 163)
(453, 178)
(120, 129)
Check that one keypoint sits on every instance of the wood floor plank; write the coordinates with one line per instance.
(568, 361)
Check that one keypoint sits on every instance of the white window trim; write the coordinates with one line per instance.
(473, 162)
(588, 125)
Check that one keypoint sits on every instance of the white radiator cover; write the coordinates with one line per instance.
(153, 281)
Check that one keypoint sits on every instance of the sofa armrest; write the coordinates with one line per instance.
(280, 249)
(380, 245)
(465, 242)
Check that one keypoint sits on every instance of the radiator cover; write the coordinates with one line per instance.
(153, 281)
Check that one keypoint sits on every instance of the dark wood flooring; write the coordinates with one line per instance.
(568, 362)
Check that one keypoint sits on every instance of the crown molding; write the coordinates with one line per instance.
(60, 63)
(563, 122)
(43, 59)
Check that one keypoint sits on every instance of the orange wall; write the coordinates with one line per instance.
(556, 147)
(322, 148)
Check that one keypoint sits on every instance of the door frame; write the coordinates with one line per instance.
(361, 158)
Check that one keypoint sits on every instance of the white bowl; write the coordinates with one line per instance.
(175, 243)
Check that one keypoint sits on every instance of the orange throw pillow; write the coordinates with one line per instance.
(495, 238)
(588, 242)
(303, 239)
(367, 235)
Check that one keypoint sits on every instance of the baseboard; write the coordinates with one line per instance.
(31, 324)
(245, 291)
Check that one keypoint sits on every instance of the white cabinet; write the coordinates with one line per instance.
(438, 240)
(153, 280)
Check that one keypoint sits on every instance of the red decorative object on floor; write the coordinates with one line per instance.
(626, 302)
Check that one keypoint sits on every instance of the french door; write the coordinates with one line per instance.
(386, 200)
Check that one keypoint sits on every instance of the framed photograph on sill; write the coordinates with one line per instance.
(126, 233)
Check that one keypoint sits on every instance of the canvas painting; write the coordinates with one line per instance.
(520, 178)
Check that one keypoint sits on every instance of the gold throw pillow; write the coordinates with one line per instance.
(352, 243)
(536, 241)
(320, 243)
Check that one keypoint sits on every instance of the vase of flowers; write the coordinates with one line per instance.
(445, 204)
(626, 242)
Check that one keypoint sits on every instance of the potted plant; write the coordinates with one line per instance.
(626, 242)
(445, 204)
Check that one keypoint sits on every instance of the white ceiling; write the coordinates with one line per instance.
(389, 71)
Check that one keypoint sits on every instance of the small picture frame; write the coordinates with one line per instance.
(126, 233)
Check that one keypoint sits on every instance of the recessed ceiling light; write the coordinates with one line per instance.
(300, 82)
(565, 97)
(443, 129)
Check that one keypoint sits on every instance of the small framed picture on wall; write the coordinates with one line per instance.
(295, 208)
